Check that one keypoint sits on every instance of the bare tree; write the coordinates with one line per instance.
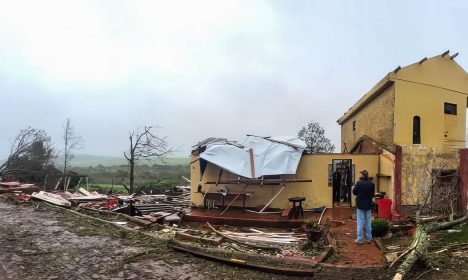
(425, 171)
(144, 145)
(314, 137)
(31, 147)
(72, 142)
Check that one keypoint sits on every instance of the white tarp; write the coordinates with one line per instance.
(272, 155)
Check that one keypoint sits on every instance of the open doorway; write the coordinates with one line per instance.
(342, 182)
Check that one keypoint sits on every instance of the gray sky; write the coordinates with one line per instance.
(206, 68)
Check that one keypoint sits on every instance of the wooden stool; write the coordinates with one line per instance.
(297, 207)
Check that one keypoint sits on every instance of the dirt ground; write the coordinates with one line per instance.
(48, 243)
(44, 242)
(351, 254)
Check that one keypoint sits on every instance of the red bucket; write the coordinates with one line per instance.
(384, 207)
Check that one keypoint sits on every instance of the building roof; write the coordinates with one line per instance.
(399, 74)
(368, 145)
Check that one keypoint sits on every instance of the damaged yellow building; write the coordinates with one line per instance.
(418, 108)
(422, 104)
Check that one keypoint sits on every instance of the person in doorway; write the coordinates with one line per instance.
(349, 184)
(344, 179)
(336, 184)
(364, 191)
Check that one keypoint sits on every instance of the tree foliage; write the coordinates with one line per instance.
(314, 137)
(31, 156)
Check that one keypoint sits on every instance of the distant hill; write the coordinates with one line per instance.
(83, 160)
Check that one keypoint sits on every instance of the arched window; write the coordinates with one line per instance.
(416, 130)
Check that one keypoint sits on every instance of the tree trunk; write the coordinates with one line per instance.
(132, 175)
(420, 245)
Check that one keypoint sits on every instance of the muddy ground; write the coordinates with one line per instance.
(43, 242)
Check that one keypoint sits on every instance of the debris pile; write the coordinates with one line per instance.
(269, 242)
(17, 187)
(153, 208)
(259, 237)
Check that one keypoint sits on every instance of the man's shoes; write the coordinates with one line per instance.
(369, 241)
(357, 241)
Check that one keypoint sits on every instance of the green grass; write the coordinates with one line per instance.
(445, 237)
(105, 188)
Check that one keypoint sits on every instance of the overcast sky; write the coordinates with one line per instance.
(206, 68)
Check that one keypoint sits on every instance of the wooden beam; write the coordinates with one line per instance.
(219, 176)
(422, 60)
(397, 69)
(273, 198)
(252, 164)
(397, 178)
(232, 201)
(453, 56)
(260, 181)
(445, 53)
(463, 183)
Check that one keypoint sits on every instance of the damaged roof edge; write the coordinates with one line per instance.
(385, 83)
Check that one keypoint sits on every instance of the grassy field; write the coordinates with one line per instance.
(82, 160)
(148, 178)
(105, 188)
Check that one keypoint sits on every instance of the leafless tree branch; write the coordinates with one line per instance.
(144, 144)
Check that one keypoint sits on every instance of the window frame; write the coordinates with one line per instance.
(450, 108)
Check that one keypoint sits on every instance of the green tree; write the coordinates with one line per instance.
(314, 137)
(31, 156)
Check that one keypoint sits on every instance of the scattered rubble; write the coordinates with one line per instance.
(160, 216)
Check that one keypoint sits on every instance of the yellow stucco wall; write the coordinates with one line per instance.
(385, 181)
(374, 120)
(314, 167)
(421, 90)
(418, 90)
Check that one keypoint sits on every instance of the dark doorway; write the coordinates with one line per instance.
(342, 182)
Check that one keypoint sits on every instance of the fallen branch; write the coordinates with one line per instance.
(421, 245)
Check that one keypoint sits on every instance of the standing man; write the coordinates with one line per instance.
(349, 184)
(336, 184)
(364, 191)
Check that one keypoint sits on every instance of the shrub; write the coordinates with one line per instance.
(380, 227)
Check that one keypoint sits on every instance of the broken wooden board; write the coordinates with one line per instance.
(52, 198)
(190, 237)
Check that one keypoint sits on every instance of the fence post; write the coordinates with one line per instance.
(463, 187)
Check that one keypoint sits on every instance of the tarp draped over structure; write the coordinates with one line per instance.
(271, 155)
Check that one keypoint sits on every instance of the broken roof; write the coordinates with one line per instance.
(400, 74)
(366, 144)
(270, 155)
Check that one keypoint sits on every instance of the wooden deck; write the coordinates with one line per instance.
(237, 216)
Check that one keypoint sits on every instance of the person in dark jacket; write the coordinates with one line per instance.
(364, 191)
(336, 185)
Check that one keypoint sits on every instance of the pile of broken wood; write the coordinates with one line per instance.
(258, 238)
(152, 208)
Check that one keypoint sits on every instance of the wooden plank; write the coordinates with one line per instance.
(273, 198)
(232, 201)
(52, 198)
